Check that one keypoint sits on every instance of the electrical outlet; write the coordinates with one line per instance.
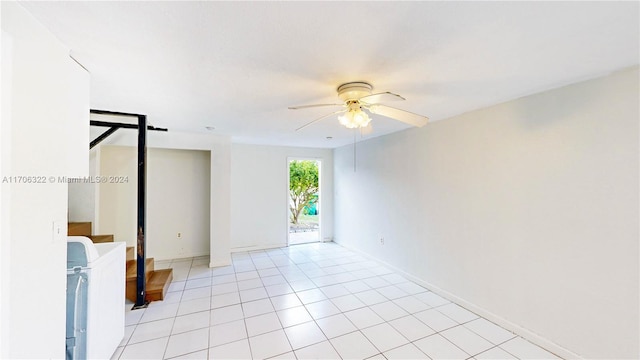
(179, 235)
(381, 240)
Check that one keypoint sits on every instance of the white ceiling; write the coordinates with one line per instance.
(237, 66)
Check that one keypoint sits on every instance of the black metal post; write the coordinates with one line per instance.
(142, 205)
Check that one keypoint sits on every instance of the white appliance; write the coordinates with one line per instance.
(95, 297)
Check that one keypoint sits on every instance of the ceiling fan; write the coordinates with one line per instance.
(357, 98)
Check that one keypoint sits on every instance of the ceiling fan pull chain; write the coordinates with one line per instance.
(354, 149)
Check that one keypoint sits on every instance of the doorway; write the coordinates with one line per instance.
(304, 200)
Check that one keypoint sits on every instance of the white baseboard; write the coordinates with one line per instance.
(270, 246)
(258, 247)
(182, 256)
(506, 324)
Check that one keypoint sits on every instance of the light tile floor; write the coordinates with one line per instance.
(313, 301)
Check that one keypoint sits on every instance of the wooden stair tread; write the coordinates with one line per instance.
(159, 279)
(79, 229)
(132, 268)
(101, 238)
(158, 285)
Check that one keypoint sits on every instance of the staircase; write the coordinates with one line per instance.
(157, 280)
(84, 229)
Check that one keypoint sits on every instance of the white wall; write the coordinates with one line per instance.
(525, 212)
(82, 195)
(5, 199)
(45, 133)
(220, 169)
(259, 194)
(178, 187)
(234, 209)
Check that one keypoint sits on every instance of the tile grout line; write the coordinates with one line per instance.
(306, 264)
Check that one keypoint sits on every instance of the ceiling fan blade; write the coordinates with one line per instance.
(310, 106)
(381, 97)
(320, 118)
(400, 115)
(367, 130)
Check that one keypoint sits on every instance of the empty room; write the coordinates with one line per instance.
(320, 180)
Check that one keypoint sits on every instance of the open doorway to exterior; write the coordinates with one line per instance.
(304, 201)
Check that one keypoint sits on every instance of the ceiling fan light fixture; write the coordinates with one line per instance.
(357, 97)
(354, 118)
(354, 90)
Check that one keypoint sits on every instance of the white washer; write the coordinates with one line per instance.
(95, 297)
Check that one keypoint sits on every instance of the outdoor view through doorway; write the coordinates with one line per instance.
(304, 201)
